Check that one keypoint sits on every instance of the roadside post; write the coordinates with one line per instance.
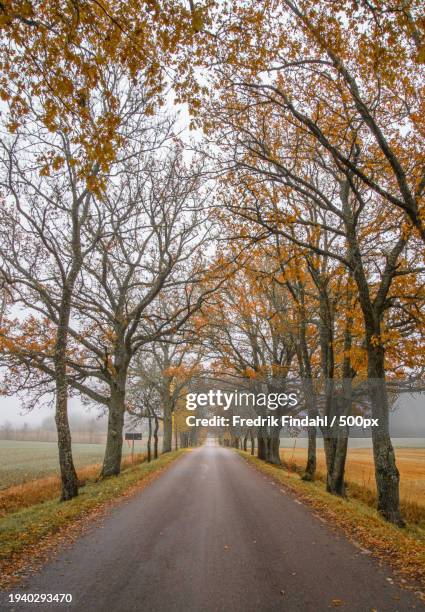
(132, 437)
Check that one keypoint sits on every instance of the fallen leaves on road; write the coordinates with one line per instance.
(337, 602)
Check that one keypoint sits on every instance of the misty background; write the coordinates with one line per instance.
(89, 423)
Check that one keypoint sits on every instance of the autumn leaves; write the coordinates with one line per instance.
(312, 127)
(316, 117)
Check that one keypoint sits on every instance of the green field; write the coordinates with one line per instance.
(24, 461)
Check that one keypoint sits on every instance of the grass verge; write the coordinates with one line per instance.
(25, 536)
(402, 549)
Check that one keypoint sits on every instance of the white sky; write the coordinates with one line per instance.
(11, 410)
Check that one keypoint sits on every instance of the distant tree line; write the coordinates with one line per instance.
(85, 429)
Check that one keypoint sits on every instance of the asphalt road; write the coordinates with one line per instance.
(212, 534)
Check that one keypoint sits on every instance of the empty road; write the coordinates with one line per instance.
(211, 534)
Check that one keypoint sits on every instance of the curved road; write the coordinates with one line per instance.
(213, 534)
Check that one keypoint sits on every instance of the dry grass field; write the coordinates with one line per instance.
(360, 470)
(29, 470)
(24, 461)
(27, 494)
(29, 473)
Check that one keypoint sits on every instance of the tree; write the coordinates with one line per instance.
(141, 282)
(143, 403)
(304, 196)
(56, 215)
(169, 365)
(294, 275)
(6, 430)
(54, 54)
(361, 59)
(44, 239)
(250, 333)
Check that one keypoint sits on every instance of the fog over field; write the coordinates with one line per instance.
(11, 411)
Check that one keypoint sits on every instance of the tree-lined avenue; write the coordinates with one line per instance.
(211, 533)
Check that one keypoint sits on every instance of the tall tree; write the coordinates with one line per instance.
(44, 238)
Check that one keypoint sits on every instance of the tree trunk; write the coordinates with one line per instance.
(113, 451)
(168, 427)
(329, 444)
(68, 474)
(335, 442)
(245, 441)
(252, 442)
(149, 439)
(69, 488)
(310, 468)
(335, 482)
(193, 436)
(336, 454)
(327, 356)
(273, 446)
(262, 444)
(69, 478)
(386, 473)
(387, 480)
(155, 437)
(304, 360)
